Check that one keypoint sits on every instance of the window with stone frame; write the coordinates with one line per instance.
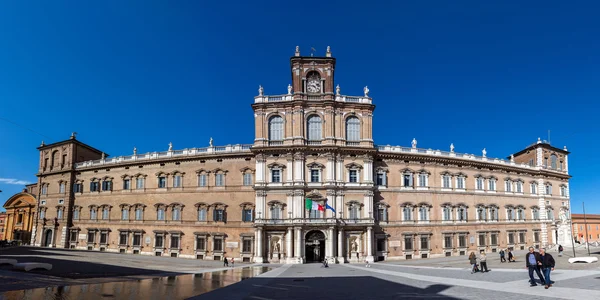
(137, 238)
(511, 238)
(73, 234)
(462, 240)
(461, 181)
(139, 211)
(107, 184)
(276, 209)
(493, 209)
(423, 178)
(533, 188)
(94, 185)
(446, 212)
(314, 128)
(553, 161)
(508, 184)
(161, 180)
(510, 213)
(407, 212)
(424, 242)
(178, 179)
(201, 241)
(44, 189)
(42, 212)
(382, 211)
(446, 180)
(246, 245)
(218, 243)
(220, 176)
(76, 212)
(62, 186)
(159, 240)
(448, 241)
(219, 212)
(247, 212)
(535, 213)
(522, 238)
(106, 212)
(202, 177)
(354, 171)
(519, 186)
(424, 212)
(462, 212)
(78, 186)
(494, 238)
(407, 178)
(352, 129)
(175, 241)
(176, 211)
(104, 237)
(140, 181)
(381, 176)
(315, 171)
(125, 212)
(276, 128)
(482, 241)
(93, 212)
(247, 176)
(354, 209)
(492, 183)
(160, 211)
(549, 213)
(548, 188)
(536, 236)
(91, 236)
(481, 212)
(276, 171)
(408, 242)
(60, 212)
(123, 238)
(563, 190)
(479, 183)
(520, 213)
(202, 209)
(126, 182)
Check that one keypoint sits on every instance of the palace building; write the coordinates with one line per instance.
(313, 186)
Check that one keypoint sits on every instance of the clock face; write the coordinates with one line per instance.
(313, 86)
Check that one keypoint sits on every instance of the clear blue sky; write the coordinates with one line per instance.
(146, 73)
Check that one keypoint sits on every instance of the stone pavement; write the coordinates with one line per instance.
(393, 281)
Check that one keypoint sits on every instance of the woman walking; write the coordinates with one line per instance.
(473, 262)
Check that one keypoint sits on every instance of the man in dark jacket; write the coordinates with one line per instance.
(531, 262)
(547, 264)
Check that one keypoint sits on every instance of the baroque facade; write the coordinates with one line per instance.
(312, 186)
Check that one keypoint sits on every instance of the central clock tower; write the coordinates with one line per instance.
(313, 75)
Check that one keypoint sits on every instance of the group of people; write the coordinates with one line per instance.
(511, 257)
(482, 262)
(539, 262)
(226, 261)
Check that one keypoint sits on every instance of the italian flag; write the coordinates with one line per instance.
(311, 205)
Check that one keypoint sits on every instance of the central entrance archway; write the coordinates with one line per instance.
(47, 238)
(315, 246)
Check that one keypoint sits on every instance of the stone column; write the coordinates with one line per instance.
(370, 244)
(339, 170)
(330, 169)
(288, 246)
(368, 202)
(340, 247)
(258, 256)
(289, 177)
(328, 244)
(298, 248)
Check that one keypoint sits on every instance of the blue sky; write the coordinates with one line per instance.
(146, 73)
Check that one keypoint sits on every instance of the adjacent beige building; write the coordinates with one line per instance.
(312, 186)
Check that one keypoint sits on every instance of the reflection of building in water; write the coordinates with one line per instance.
(312, 186)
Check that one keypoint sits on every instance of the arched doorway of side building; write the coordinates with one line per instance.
(315, 246)
(47, 238)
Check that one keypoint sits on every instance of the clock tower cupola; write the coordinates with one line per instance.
(313, 75)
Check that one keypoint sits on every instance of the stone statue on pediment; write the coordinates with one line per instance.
(414, 143)
(170, 146)
(261, 90)
(512, 158)
(354, 246)
(483, 152)
(289, 89)
(210, 142)
(134, 151)
(103, 155)
(337, 89)
(451, 147)
(366, 90)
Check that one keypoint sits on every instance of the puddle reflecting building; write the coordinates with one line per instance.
(312, 186)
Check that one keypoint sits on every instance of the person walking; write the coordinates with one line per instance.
(511, 257)
(225, 261)
(502, 254)
(483, 262)
(473, 262)
(367, 264)
(531, 263)
(547, 264)
(560, 250)
(232, 262)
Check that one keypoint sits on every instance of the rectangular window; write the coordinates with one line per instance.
(407, 211)
(174, 241)
(531, 164)
(73, 237)
(534, 189)
(494, 238)
(139, 214)
(447, 241)
(381, 214)
(522, 237)
(176, 181)
(137, 239)
(479, 183)
(202, 214)
(460, 183)
(275, 213)
(423, 214)
(482, 239)
(106, 185)
(492, 184)
(105, 213)
(408, 243)
(353, 212)
(162, 182)
(76, 214)
(61, 188)
(139, 183)
(219, 179)
(103, 238)
(125, 214)
(218, 215)
(126, 184)
(519, 187)
(536, 236)
(353, 176)
(424, 242)
(218, 246)
(78, 188)
(462, 241)
(93, 186)
(446, 182)
(380, 179)
(275, 175)
(42, 213)
(202, 180)
(508, 186)
(422, 180)
(176, 214)
(314, 176)
(91, 237)
(548, 189)
(407, 180)
(160, 214)
(59, 214)
(511, 238)
(247, 179)
(93, 214)
(247, 215)
(159, 241)
(247, 245)
(200, 243)
(123, 238)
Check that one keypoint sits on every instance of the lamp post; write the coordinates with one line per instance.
(587, 237)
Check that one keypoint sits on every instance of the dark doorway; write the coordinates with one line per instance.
(315, 246)
(47, 238)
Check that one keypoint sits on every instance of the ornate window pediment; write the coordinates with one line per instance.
(176, 204)
(124, 206)
(138, 175)
(276, 165)
(315, 165)
(314, 194)
(461, 174)
(382, 170)
(125, 176)
(219, 170)
(424, 204)
(407, 204)
(219, 205)
(160, 205)
(382, 204)
(247, 170)
(202, 171)
(353, 165)
(275, 203)
(354, 203)
(247, 205)
(446, 173)
(161, 174)
(201, 205)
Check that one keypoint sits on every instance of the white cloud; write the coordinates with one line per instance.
(14, 181)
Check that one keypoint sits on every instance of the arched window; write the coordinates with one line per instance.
(352, 129)
(553, 161)
(276, 128)
(314, 128)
